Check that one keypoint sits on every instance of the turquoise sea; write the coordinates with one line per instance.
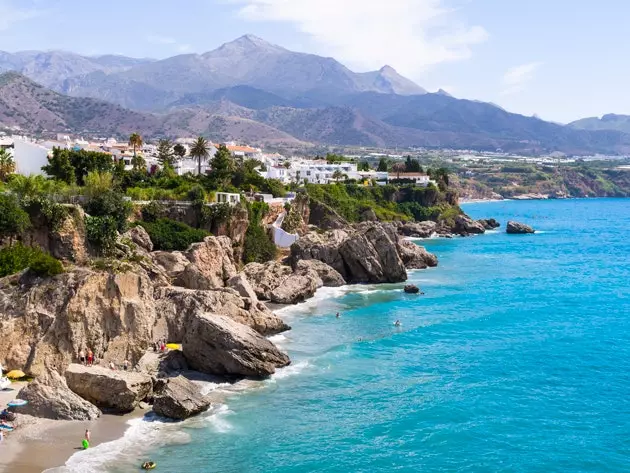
(517, 359)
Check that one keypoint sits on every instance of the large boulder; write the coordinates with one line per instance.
(324, 217)
(175, 306)
(173, 262)
(518, 228)
(50, 398)
(193, 278)
(241, 285)
(215, 344)
(415, 256)
(464, 225)
(214, 259)
(120, 391)
(371, 256)
(278, 283)
(264, 278)
(323, 247)
(418, 229)
(330, 277)
(139, 236)
(178, 398)
(489, 223)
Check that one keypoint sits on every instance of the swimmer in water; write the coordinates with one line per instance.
(397, 323)
(338, 315)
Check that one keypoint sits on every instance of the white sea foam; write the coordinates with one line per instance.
(208, 387)
(290, 370)
(218, 420)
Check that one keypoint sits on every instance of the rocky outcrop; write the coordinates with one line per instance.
(162, 364)
(367, 253)
(411, 289)
(45, 325)
(178, 398)
(175, 306)
(489, 223)
(173, 262)
(51, 398)
(241, 285)
(415, 256)
(120, 391)
(464, 225)
(330, 277)
(418, 229)
(213, 261)
(518, 228)
(139, 236)
(278, 283)
(324, 217)
(215, 344)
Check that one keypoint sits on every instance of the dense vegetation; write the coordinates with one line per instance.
(169, 235)
(258, 247)
(15, 258)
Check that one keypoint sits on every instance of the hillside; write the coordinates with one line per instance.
(607, 122)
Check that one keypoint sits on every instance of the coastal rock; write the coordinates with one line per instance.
(45, 326)
(175, 306)
(193, 278)
(158, 363)
(371, 256)
(215, 344)
(411, 289)
(173, 262)
(418, 229)
(178, 398)
(321, 247)
(297, 288)
(489, 223)
(241, 285)
(518, 228)
(265, 278)
(214, 259)
(50, 398)
(324, 217)
(120, 391)
(464, 225)
(368, 215)
(140, 237)
(330, 277)
(415, 256)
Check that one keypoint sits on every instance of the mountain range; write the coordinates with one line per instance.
(251, 90)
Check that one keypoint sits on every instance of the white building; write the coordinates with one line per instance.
(29, 156)
(419, 179)
(313, 172)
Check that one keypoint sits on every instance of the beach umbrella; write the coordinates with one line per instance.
(173, 346)
(15, 374)
(17, 403)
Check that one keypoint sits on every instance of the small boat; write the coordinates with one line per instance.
(5, 383)
(149, 465)
(17, 403)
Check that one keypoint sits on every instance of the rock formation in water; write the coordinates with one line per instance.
(518, 228)
(178, 398)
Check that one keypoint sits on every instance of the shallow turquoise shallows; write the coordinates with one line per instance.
(517, 359)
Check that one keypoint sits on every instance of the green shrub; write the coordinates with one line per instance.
(14, 259)
(13, 219)
(102, 233)
(258, 247)
(169, 235)
(152, 211)
(110, 204)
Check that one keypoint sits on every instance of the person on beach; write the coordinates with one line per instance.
(126, 365)
(162, 346)
(112, 366)
(82, 356)
(90, 357)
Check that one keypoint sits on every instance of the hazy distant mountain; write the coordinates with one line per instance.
(607, 122)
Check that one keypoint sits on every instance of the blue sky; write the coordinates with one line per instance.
(560, 59)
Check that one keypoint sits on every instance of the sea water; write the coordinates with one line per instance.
(516, 359)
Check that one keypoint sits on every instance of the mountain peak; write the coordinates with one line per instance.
(250, 41)
(387, 70)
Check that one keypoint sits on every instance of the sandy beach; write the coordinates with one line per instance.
(38, 444)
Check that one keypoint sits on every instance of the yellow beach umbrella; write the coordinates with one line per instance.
(15, 374)
(173, 346)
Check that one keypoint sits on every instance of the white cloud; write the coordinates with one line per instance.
(157, 39)
(410, 35)
(10, 14)
(516, 78)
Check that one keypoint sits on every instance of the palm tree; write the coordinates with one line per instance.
(200, 150)
(7, 165)
(135, 140)
(337, 175)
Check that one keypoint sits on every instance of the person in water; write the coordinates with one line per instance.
(338, 315)
(397, 323)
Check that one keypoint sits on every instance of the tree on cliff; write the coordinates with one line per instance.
(135, 140)
(13, 219)
(412, 165)
(7, 164)
(179, 150)
(60, 167)
(223, 167)
(200, 150)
